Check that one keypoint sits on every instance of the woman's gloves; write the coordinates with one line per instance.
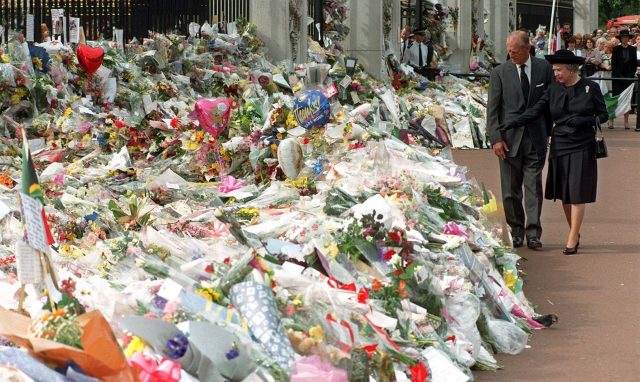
(579, 121)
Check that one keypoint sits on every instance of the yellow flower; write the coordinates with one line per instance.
(199, 136)
(67, 112)
(300, 183)
(297, 302)
(248, 212)
(17, 96)
(135, 345)
(37, 62)
(317, 333)
(210, 294)
(291, 121)
(510, 279)
(190, 146)
(332, 250)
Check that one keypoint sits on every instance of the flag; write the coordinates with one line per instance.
(620, 104)
(558, 41)
(33, 196)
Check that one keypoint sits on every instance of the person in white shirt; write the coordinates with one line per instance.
(420, 54)
(572, 46)
(405, 43)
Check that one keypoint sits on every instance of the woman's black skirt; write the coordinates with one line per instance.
(573, 178)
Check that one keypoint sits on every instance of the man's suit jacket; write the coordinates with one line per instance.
(506, 102)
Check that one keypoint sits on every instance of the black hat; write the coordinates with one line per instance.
(421, 32)
(564, 56)
(624, 33)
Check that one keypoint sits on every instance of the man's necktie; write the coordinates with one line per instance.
(524, 83)
(420, 62)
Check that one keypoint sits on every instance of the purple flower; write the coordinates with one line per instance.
(158, 302)
(233, 353)
(177, 346)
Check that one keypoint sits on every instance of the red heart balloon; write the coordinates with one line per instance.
(90, 58)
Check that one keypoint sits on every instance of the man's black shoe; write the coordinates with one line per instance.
(534, 243)
(517, 242)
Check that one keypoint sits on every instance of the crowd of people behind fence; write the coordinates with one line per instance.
(596, 46)
(606, 52)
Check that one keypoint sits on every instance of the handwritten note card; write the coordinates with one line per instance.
(28, 264)
(30, 30)
(36, 235)
(74, 30)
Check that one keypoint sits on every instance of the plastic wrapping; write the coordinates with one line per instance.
(506, 337)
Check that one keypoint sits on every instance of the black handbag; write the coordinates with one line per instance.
(601, 145)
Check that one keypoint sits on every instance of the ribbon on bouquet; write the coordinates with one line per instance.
(151, 371)
(335, 284)
(362, 293)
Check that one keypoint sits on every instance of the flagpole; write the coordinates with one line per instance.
(551, 24)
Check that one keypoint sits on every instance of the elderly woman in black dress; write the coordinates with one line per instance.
(576, 105)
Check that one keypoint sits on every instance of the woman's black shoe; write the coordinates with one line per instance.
(570, 251)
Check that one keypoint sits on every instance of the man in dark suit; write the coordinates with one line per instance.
(515, 86)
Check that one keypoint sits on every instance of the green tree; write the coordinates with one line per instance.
(609, 9)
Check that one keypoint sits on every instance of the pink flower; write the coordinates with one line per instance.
(170, 308)
(59, 179)
(455, 229)
(230, 184)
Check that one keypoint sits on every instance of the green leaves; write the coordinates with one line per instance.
(132, 218)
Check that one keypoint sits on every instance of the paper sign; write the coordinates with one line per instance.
(110, 90)
(292, 269)
(36, 235)
(442, 369)
(30, 30)
(36, 145)
(346, 81)
(57, 20)
(119, 36)
(280, 81)
(4, 209)
(232, 29)
(354, 97)
(330, 90)
(1, 34)
(28, 264)
(74, 30)
(170, 290)
(148, 104)
(65, 38)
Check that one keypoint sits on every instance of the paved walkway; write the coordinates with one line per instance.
(595, 294)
